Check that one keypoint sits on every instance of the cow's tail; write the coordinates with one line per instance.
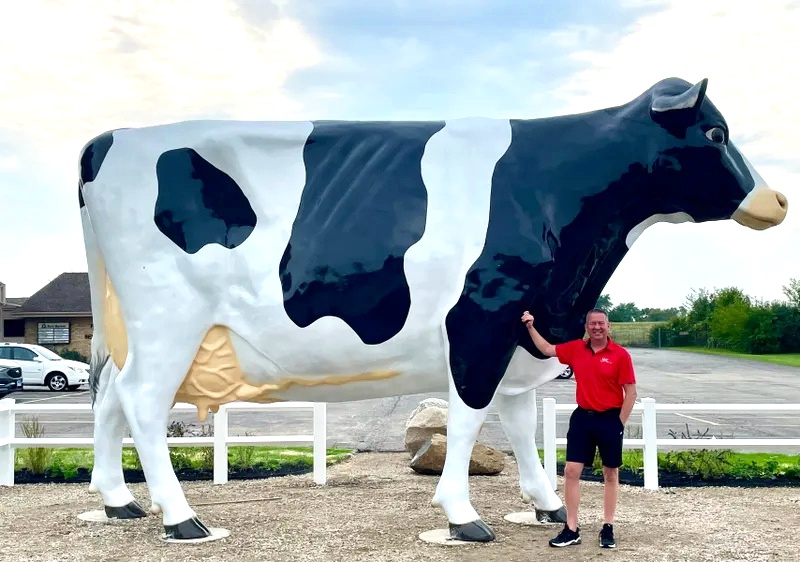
(100, 365)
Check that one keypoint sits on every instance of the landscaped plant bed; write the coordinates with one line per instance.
(84, 475)
(671, 479)
(703, 467)
(189, 463)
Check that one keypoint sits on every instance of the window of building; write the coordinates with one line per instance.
(14, 328)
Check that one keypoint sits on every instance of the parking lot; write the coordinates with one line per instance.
(378, 425)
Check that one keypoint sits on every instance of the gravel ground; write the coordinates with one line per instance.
(374, 508)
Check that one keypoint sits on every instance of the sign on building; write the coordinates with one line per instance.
(53, 332)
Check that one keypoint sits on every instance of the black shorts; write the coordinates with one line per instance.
(589, 431)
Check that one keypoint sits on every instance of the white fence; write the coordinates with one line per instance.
(650, 442)
(219, 441)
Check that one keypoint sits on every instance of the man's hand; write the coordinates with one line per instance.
(527, 319)
(627, 404)
(542, 344)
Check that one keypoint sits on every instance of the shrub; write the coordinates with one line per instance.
(706, 464)
(35, 459)
(73, 355)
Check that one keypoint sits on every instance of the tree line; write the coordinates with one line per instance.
(629, 312)
(724, 318)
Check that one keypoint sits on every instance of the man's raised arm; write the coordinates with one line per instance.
(541, 344)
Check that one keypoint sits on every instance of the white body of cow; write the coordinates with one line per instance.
(169, 299)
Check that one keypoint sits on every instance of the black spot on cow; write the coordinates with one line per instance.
(363, 206)
(198, 204)
(92, 157)
(549, 247)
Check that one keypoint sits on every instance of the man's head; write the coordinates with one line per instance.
(597, 325)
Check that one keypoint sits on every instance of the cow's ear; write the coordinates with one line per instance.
(677, 112)
(691, 99)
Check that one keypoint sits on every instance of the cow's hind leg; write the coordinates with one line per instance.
(147, 385)
(518, 417)
(109, 430)
(452, 493)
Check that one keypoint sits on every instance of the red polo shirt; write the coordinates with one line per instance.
(599, 376)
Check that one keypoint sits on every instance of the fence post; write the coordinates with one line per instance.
(549, 438)
(320, 442)
(7, 436)
(650, 435)
(221, 445)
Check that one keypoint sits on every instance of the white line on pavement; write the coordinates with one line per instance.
(73, 422)
(54, 397)
(696, 419)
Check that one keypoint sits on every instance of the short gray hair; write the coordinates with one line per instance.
(597, 311)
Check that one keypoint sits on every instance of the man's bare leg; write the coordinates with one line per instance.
(572, 492)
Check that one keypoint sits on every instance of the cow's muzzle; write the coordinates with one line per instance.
(762, 208)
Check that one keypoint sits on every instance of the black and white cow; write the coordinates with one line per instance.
(354, 260)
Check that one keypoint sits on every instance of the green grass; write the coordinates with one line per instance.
(66, 462)
(790, 359)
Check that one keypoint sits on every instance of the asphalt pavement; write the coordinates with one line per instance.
(378, 425)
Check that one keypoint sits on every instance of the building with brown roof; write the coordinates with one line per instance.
(57, 316)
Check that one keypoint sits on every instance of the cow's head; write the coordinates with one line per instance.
(696, 172)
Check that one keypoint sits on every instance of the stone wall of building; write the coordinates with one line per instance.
(80, 334)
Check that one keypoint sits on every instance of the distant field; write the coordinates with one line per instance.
(632, 333)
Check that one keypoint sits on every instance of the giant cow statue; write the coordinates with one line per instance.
(336, 261)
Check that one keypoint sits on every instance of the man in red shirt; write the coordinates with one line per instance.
(605, 392)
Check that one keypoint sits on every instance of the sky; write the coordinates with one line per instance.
(71, 70)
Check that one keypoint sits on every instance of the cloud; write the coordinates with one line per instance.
(86, 67)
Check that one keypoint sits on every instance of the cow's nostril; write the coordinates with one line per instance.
(782, 201)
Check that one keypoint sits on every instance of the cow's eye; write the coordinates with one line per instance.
(716, 134)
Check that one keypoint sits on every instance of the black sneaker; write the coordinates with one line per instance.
(607, 536)
(567, 537)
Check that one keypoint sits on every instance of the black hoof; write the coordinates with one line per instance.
(557, 516)
(185, 530)
(130, 511)
(476, 531)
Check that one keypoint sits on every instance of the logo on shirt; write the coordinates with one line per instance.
(605, 360)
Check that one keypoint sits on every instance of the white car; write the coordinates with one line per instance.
(42, 367)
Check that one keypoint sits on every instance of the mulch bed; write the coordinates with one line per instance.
(666, 479)
(84, 475)
(670, 479)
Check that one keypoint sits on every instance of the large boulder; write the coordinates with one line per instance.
(430, 458)
(424, 405)
(428, 419)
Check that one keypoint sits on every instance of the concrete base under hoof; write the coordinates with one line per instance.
(528, 518)
(216, 534)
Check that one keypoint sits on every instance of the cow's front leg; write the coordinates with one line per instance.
(518, 417)
(452, 493)
(109, 430)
